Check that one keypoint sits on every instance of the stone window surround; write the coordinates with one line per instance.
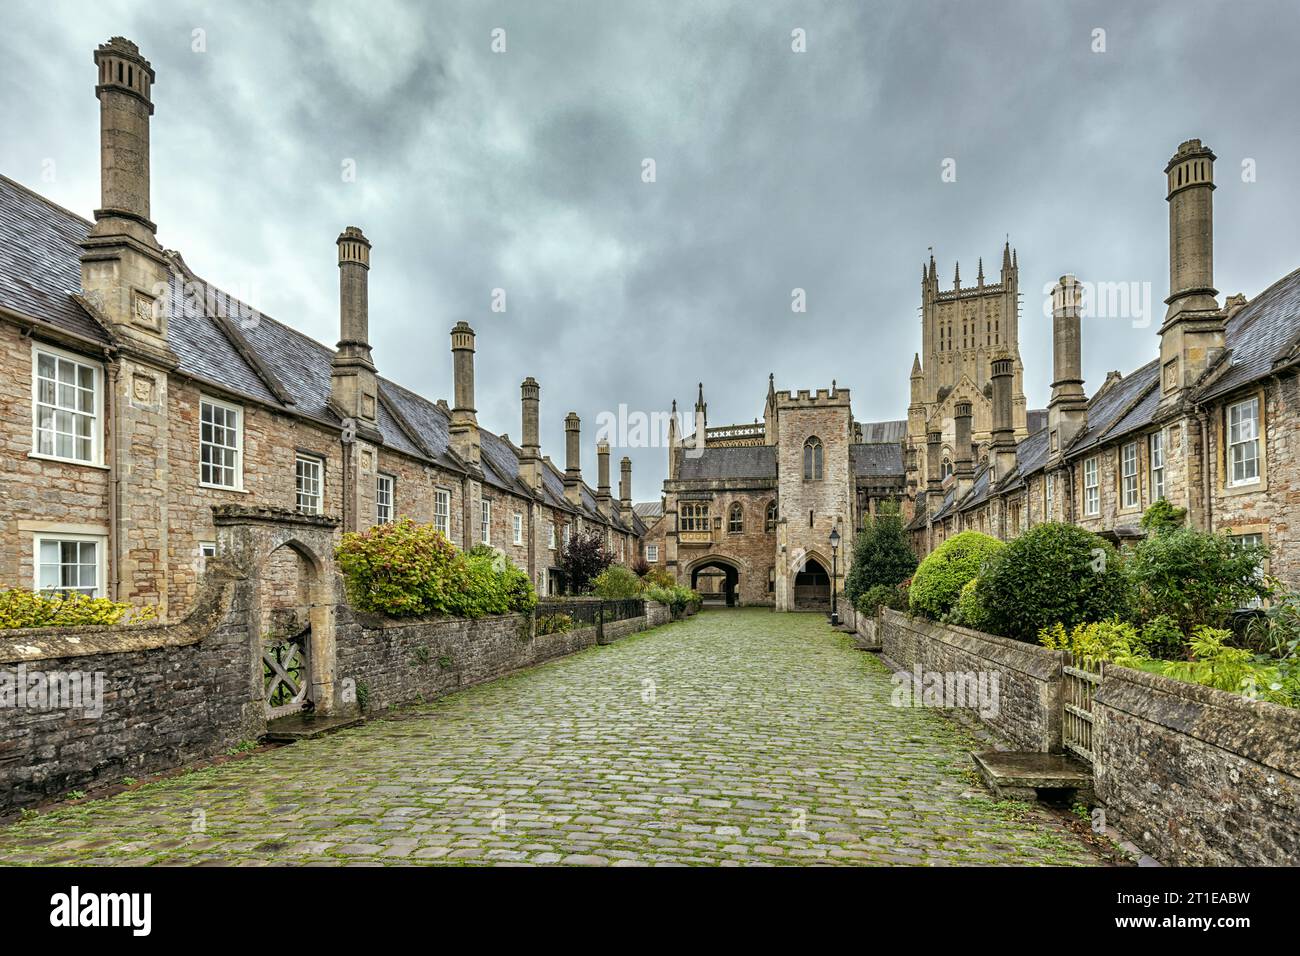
(442, 511)
(652, 553)
(1135, 475)
(1156, 451)
(735, 518)
(383, 479)
(205, 399)
(308, 457)
(551, 534)
(81, 536)
(517, 527)
(1092, 504)
(97, 429)
(485, 520)
(1260, 482)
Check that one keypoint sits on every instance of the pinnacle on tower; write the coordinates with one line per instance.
(956, 276)
(980, 277)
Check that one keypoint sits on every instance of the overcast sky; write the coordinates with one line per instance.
(774, 170)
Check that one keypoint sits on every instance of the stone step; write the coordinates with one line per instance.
(287, 730)
(1052, 778)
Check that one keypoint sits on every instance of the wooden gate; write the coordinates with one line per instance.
(286, 674)
(1078, 725)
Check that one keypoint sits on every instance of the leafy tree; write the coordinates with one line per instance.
(1162, 517)
(582, 559)
(881, 554)
(940, 577)
(616, 582)
(1051, 574)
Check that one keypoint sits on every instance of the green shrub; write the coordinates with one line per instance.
(21, 608)
(404, 569)
(1195, 578)
(878, 596)
(678, 597)
(659, 577)
(938, 581)
(1052, 573)
(881, 554)
(1162, 517)
(616, 582)
(1163, 636)
(554, 624)
(1112, 641)
(969, 609)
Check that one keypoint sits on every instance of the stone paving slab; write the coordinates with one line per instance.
(735, 737)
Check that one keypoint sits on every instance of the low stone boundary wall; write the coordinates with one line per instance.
(1028, 677)
(1197, 776)
(1192, 775)
(180, 693)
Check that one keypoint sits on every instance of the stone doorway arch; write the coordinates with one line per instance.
(290, 590)
(812, 585)
(728, 585)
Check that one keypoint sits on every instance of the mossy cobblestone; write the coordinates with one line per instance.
(734, 738)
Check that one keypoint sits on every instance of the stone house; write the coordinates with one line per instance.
(137, 396)
(1208, 424)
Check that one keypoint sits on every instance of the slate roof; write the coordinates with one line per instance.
(1031, 453)
(648, 510)
(877, 460)
(1262, 333)
(1109, 407)
(741, 461)
(240, 351)
(878, 432)
(37, 273)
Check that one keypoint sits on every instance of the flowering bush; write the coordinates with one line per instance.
(20, 608)
(404, 569)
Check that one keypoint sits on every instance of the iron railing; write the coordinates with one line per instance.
(567, 614)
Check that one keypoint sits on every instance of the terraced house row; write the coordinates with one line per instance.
(1210, 423)
(136, 396)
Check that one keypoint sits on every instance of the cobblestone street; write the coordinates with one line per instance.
(737, 737)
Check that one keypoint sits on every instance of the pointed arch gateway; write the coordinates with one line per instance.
(717, 579)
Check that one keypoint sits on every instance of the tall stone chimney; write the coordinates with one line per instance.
(1067, 411)
(124, 274)
(603, 496)
(1002, 448)
(1192, 335)
(573, 459)
(963, 460)
(530, 459)
(934, 467)
(625, 488)
(464, 419)
(353, 382)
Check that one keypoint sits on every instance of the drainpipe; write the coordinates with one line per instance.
(1203, 434)
(115, 484)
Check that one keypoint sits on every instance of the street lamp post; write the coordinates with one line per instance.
(835, 573)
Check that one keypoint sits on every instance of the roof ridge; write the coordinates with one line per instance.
(1250, 305)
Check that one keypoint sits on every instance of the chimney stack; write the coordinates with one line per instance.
(124, 273)
(464, 420)
(625, 487)
(934, 466)
(1192, 335)
(572, 459)
(1067, 411)
(531, 450)
(1002, 449)
(353, 384)
(603, 497)
(963, 464)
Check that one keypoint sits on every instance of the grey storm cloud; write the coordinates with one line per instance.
(775, 170)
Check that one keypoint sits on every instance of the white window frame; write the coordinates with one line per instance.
(238, 448)
(316, 502)
(207, 549)
(1156, 462)
(567, 526)
(518, 527)
(1091, 486)
(551, 532)
(485, 521)
(652, 553)
(1130, 494)
(96, 416)
(385, 484)
(1234, 443)
(101, 563)
(1047, 496)
(442, 512)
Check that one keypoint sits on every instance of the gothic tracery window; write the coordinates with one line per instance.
(695, 517)
(812, 459)
(736, 519)
(769, 522)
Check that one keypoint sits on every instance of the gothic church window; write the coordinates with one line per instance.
(736, 519)
(812, 459)
(695, 517)
(769, 523)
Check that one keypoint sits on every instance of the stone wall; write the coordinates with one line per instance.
(1196, 776)
(1193, 775)
(1029, 677)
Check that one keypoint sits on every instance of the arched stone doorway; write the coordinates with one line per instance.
(717, 581)
(812, 586)
(290, 591)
